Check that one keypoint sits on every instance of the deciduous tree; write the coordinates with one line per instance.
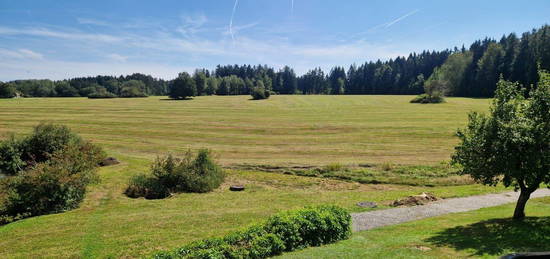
(511, 145)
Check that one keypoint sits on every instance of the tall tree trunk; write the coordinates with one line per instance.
(519, 212)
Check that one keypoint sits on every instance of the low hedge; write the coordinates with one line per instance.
(285, 231)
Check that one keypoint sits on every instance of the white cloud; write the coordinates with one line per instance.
(92, 22)
(20, 54)
(117, 57)
(192, 24)
(43, 32)
(181, 45)
(56, 70)
(235, 29)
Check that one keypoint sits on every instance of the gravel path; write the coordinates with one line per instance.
(379, 218)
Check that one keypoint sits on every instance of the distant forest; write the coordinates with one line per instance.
(468, 72)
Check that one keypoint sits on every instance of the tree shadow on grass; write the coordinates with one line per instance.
(497, 236)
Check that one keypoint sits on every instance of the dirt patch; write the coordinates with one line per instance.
(422, 248)
(109, 161)
(415, 200)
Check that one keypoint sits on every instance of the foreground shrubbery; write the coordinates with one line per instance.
(286, 231)
(49, 170)
(173, 175)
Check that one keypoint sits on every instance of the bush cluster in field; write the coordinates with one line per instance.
(286, 231)
(426, 98)
(172, 175)
(260, 93)
(48, 172)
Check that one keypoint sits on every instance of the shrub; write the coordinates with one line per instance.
(102, 95)
(170, 174)
(426, 98)
(203, 175)
(142, 185)
(51, 169)
(310, 227)
(11, 151)
(133, 88)
(54, 186)
(47, 139)
(259, 93)
(7, 90)
(286, 231)
(18, 154)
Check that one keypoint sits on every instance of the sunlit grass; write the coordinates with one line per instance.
(281, 130)
(484, 233)
(331, 131)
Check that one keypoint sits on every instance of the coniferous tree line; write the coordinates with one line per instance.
(469, 72)
(474, 72)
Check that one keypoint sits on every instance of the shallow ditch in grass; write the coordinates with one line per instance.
(413, 175)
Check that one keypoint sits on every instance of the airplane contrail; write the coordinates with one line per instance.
(231, 21)
(401, 18)
(292, 7)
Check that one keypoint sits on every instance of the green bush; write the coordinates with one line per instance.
(172, 175)
(203, 174)
(17, 154)
(54, 186)
(310, 227)
(11, 152)
(102, 95)
(47, 139)
(259, 93)
(58, 165)
(7, 90)
(142, 185)
(426, 98)
(286, 231)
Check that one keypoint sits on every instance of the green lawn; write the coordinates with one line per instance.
(284, 131)
(485, 233)
(110, 224)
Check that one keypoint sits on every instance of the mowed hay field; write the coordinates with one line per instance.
(306, 130)
(283, 130)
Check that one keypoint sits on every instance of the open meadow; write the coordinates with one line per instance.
(284, 131)
(244, 129)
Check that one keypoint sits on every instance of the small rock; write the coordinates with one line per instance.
(236, 188)
(109, 161)
(423, 248)
(367, 204)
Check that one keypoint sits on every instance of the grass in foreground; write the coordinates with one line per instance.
(109, 224)
(482, 233)
(285, 129)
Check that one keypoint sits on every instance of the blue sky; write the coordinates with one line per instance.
(59, 39)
